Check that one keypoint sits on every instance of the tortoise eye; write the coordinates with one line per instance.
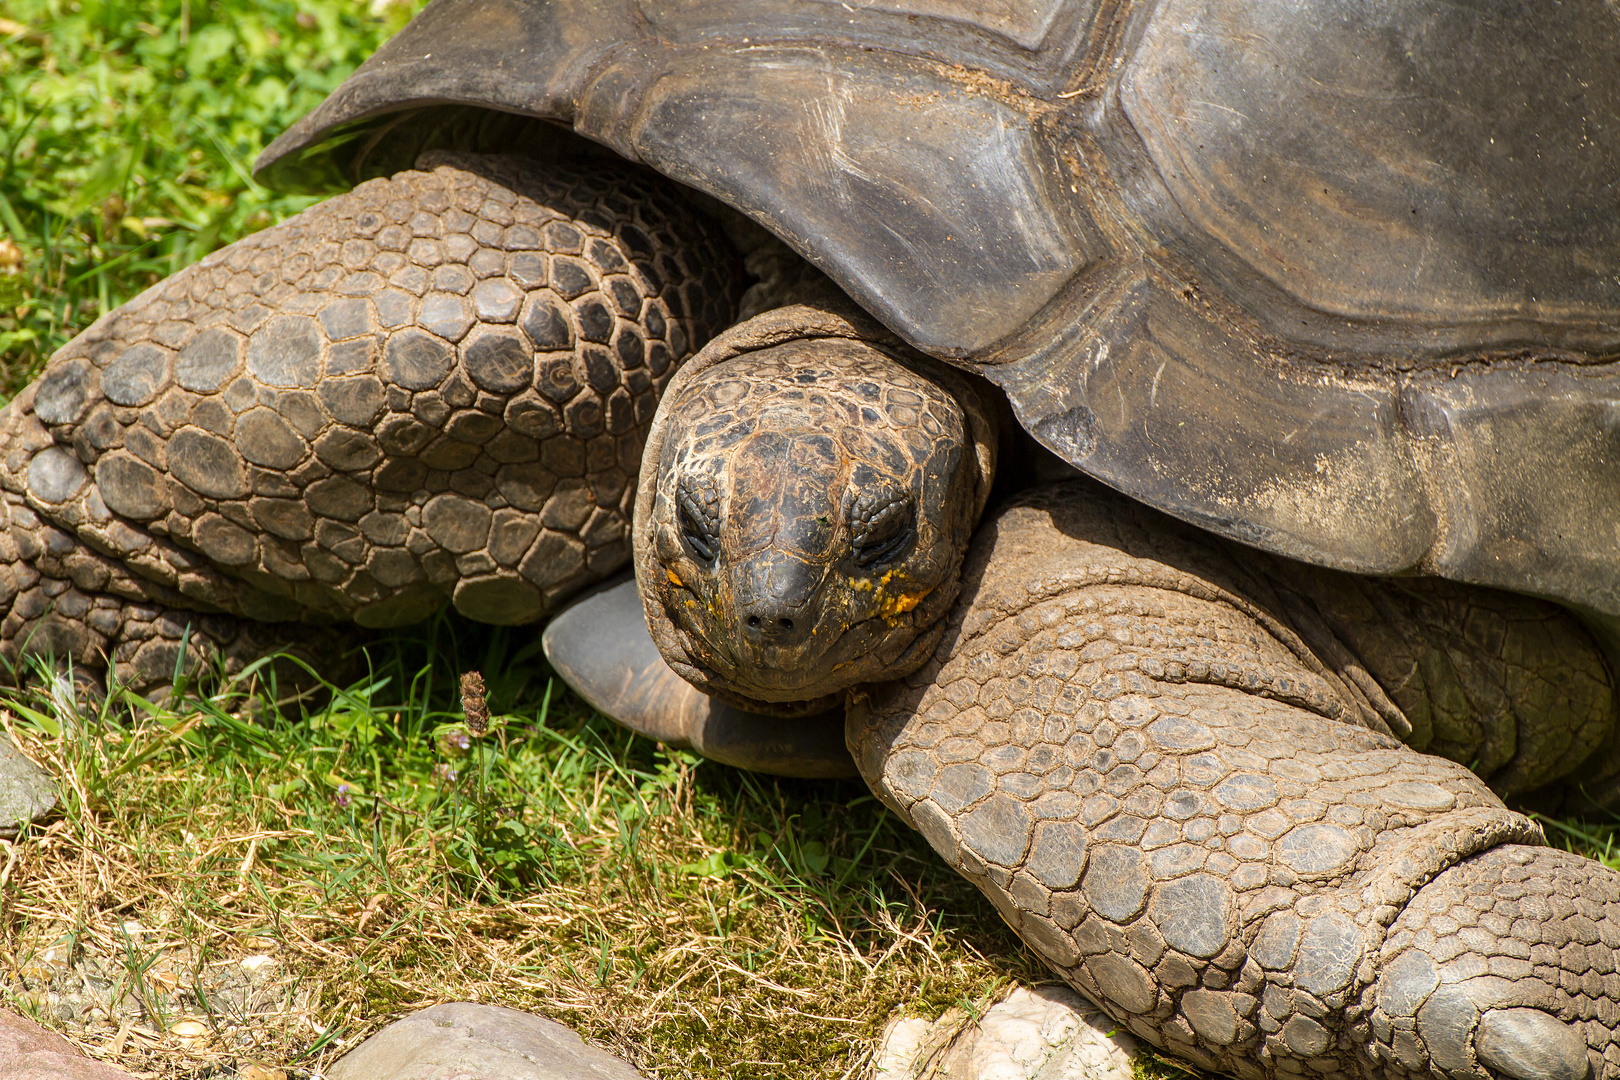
(695, 516)
(881, 533)
(700, 545)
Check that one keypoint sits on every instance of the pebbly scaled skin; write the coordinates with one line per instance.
(1188, 814)
(433, 389)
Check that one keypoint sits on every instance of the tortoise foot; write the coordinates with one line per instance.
(1504, 964)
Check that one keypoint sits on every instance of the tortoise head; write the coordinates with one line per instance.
(805, 509)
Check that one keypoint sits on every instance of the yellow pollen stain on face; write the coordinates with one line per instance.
(892, 604)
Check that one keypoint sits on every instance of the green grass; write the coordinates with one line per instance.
(127, 129)
(701, 921)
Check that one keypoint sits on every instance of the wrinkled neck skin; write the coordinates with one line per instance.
(809, 489)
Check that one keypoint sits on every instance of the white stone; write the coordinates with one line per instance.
(1048, 1033)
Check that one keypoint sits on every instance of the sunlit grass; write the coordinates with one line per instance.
(127, 131)
(700, 920)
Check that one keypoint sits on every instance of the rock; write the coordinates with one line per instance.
(30, 1052)
(463, 1041)
(1049, 1033)
(26, 790)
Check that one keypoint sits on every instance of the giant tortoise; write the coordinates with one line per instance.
(1325, 294)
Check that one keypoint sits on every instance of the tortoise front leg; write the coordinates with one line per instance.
(82, 612)
(1171, 799)
(433, 389)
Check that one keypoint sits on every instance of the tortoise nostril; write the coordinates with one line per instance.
(769, 627)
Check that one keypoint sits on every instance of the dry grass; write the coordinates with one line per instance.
(698, 921)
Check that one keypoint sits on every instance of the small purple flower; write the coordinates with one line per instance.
(444, 772)
(342, 796)
(454, 743)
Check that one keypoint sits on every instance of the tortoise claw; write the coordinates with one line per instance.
(1528, 1044)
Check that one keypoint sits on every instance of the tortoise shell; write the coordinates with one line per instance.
(1334, 278)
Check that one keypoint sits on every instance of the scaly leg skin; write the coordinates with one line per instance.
(433, 389)
(1188, 814)
(1514, 688)
(80, 612)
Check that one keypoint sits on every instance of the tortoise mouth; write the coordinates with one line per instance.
(837, 638)
(860, 650)
(841, 653)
